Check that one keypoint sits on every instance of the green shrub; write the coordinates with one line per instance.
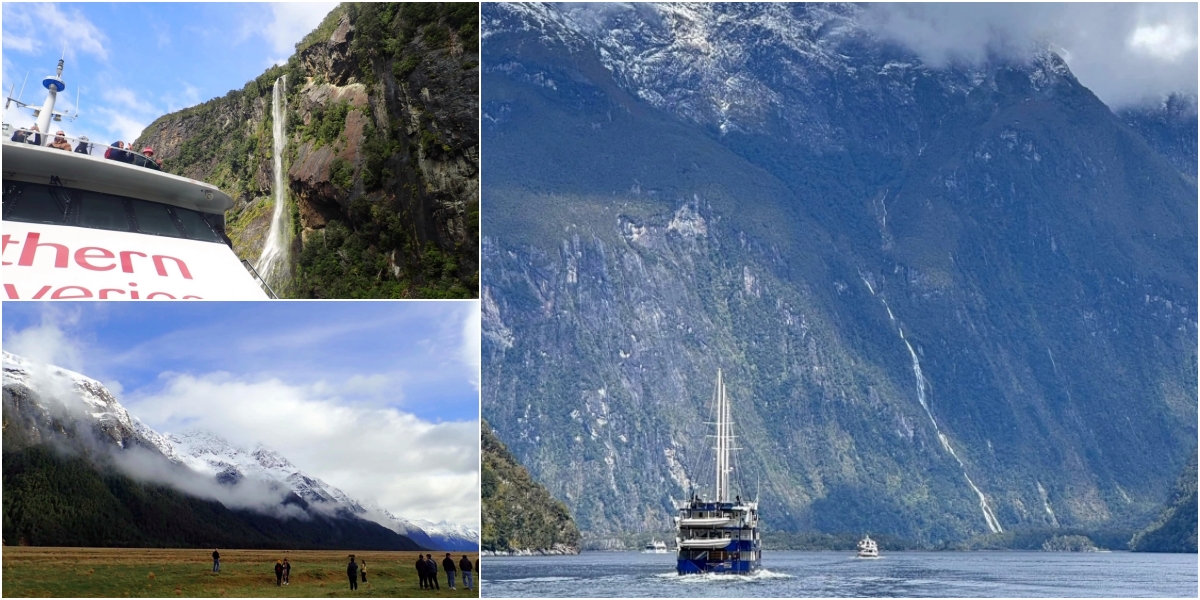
(435, 36)
(405, 67)
(341, 173)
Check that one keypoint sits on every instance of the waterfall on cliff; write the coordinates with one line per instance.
(273, 265)
(989, 516)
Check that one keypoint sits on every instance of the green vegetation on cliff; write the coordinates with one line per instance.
(1175, 528)
(518, 513)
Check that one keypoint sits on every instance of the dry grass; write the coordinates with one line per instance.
(124, 572)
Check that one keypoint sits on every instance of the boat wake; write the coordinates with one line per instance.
(715, 578)
(540, 579)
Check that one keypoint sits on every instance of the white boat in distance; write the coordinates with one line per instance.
(867, 548)
(655, 547)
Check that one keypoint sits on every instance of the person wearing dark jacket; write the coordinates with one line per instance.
(431, 571)
(116, 152)
(84, 146)
(352, 573)
(278, 572)
(216, 561)
(421, 570)
(28, 136)
(448, 566)
(464, 565)
(287, 571)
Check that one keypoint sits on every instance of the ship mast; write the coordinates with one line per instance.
(722, 448)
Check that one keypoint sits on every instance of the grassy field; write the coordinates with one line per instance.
(117, 572)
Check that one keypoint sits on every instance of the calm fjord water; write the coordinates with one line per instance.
(822, 574)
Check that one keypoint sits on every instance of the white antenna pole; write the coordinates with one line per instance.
(53, 84)
(77, 90)
(11, 89)
(23, 86)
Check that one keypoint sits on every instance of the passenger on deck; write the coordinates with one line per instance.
(116, 152)
(84, 146)
(148, 158)
(27, 136)
(60, 141)
(22, 136)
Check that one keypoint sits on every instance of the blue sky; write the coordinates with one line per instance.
(134, 62)
(380, 399)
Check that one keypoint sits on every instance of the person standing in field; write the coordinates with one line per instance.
(278, 572)
(465, 566)
(448, 565)
(421, 572)
(431, 571)
(352, 573)
(363, 570)
(216, 561)
(287, 570)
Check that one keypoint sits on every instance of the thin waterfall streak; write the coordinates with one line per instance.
(274, 264)
(989, 517)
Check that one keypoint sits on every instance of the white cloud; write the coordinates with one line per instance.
(29, 27)
(411, 467)
(120, 124)
(471, 348)
(1124, 52)
(126, 98)
(290, 22)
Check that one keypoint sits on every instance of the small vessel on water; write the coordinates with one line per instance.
(718, 535)
(867, 548)
(655, 547)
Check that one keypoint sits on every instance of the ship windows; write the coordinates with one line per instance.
(35, 204)
(154, 219)
(196, 227)
(54, 204)
(102, 211)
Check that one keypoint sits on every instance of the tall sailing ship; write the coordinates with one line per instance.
(718, 535)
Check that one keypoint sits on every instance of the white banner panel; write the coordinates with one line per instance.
(56, 262)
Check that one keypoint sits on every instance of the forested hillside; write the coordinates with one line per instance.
(519, 515)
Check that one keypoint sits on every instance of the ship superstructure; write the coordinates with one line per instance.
(100, 222)
(719, 534)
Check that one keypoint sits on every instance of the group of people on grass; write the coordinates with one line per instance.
(119, 151)
(427, 570)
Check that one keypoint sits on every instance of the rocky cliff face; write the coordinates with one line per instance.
(948, 302)
(382, 159)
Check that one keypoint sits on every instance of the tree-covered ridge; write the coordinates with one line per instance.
(54, 498)
(518, 513)
(381, 160)
(1175, 528)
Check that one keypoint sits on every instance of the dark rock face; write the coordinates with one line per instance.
(947, 301)
(382, 122)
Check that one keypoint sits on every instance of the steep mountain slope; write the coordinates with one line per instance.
(947, 301)
(57, 423)
(519, 516)
(1175, 528)
(382, 155)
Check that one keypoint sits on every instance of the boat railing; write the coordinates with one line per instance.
(259, 279)
(9, 132)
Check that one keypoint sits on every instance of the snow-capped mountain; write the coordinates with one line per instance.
(56, 401)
